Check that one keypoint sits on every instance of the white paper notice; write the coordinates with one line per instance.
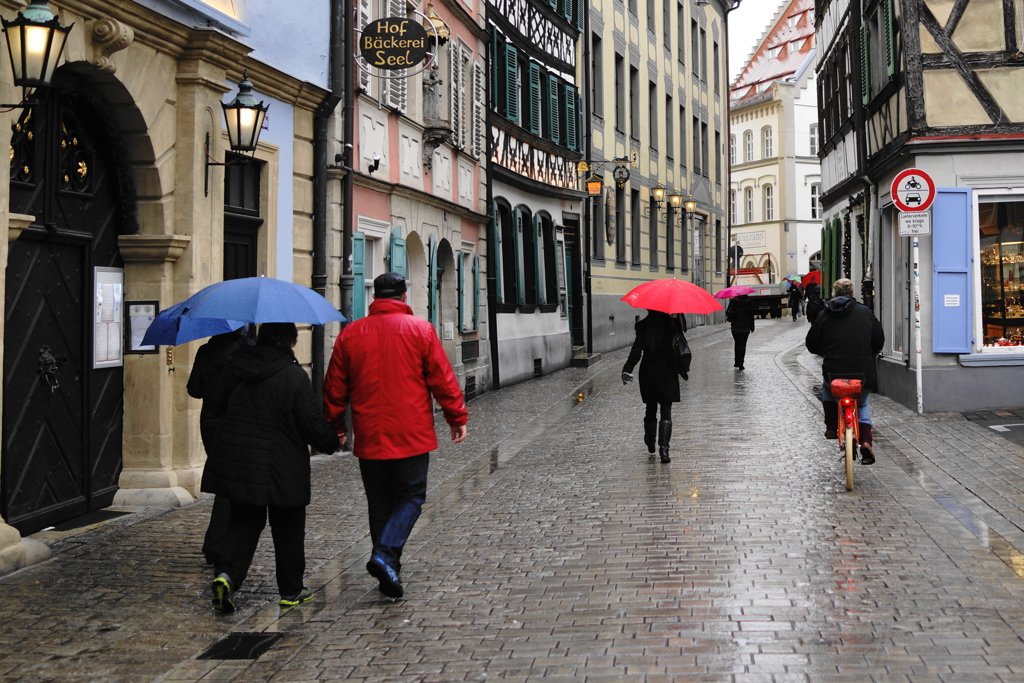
(951, 300)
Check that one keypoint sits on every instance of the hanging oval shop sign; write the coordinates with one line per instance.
(393, 43)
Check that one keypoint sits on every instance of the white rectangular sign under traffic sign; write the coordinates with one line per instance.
(915, 223)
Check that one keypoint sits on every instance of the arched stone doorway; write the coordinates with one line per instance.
(447, 298)
(64, 298)
(416, 273)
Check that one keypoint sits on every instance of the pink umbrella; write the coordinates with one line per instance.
(672, 296)
(734, 291)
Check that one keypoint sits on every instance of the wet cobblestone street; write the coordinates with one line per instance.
(554, 547)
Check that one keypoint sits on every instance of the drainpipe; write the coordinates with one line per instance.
(588, 203)
(873, 216)
(321, 118)
(348, 68)
(728, 139)
(492, 255)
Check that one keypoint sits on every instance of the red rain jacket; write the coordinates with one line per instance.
(386, 366)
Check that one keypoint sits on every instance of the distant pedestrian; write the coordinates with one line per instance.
(795, 297)
(814, 302)
(211, 359)
(261, 461)
(389, 367)
(740, 315)
(659, 383)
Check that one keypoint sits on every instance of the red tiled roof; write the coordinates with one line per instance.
(780, 54)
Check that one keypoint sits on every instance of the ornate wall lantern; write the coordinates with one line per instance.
(35, 42)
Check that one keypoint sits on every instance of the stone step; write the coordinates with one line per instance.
(583, 359)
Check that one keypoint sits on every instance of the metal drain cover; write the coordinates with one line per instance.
(242, 646)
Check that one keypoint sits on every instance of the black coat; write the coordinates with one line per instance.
(848, 335)
(211, 359)
(814, 303)
(270, 416)
(740, 314)
(659, 382)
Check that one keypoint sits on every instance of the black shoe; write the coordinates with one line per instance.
(867, 456)
(390, 580)
(740, 368)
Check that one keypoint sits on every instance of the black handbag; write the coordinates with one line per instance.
(681, 356)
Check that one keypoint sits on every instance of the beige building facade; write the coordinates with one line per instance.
(113, 213)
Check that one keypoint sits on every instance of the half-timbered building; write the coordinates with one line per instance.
(534, 274)
(934, 85)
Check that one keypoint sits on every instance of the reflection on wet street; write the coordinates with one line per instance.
(554, 547)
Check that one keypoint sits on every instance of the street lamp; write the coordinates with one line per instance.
(595, 185)
(675, 200)
(35, 42)
(244, 118)
(658, 194)
(690, 206)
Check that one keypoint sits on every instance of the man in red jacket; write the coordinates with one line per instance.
(387, 366)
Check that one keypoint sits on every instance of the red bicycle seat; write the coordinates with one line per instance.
(845, 388)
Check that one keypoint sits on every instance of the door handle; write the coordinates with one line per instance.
(49, 366)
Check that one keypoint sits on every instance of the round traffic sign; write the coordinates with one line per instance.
(913, 190)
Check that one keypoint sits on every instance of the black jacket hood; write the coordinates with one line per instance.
(255, 363)
(838, 306)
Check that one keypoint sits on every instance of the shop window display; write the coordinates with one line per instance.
(1002, 268)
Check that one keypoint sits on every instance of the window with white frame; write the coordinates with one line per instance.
(732, 207)
(815, 200)
(749, 197)
(769, 203)
(732, 149)
(460, 75)
(767, 144)
(813, 136)
(748, 143)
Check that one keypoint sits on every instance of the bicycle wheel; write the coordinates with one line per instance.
(848, 441)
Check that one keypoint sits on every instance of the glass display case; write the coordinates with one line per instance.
(1002, 269)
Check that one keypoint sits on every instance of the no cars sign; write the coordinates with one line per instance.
(913, 190)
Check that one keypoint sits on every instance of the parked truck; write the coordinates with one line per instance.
(770, 297)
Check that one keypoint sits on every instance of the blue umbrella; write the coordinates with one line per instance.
(171, 326)
(262, 300)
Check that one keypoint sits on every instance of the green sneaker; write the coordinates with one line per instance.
(304, 595)
(222, 594)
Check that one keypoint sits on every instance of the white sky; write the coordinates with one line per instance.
(746, 25)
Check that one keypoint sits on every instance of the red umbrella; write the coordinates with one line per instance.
(813, 276)
(672, 296)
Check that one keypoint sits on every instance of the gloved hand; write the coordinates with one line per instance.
(626, 378)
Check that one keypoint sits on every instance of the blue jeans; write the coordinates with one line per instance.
(863, 410)
(395, 493)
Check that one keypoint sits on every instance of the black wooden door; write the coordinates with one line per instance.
(62, 419)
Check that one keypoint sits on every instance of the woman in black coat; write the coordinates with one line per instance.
(659, 383)
(740, 315)
(211, 359)
(261, 460)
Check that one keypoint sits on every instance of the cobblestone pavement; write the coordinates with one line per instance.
(553, 547)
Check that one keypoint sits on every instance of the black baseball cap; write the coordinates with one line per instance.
(389, 286)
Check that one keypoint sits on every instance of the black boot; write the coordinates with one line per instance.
(831, 419)
(664, 434)
(650, 432)
(867, 452)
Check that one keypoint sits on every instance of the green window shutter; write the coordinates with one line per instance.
(581, 7)
(397, 252)
(476, 292)
(555, 131)
(865, 65)
(461, 284)
(517, 217)
(495, 249)
(358, 275)
(538, 259)
(571, 127)
(512, 84)
(497, 65)
(553, 3)
(535, 99)
(432, 280)
(567, 9)
(890, 37)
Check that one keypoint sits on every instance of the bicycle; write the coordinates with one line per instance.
(846, 392)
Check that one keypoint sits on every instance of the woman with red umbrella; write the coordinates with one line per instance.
(659, 383)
